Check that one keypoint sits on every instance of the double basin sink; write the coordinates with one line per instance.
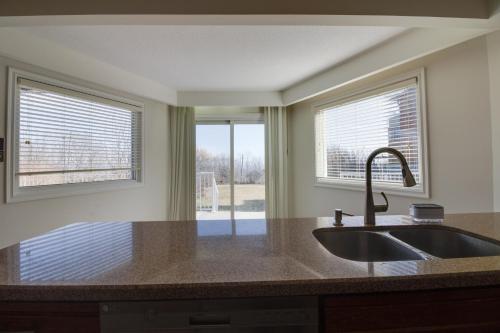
(399, 243)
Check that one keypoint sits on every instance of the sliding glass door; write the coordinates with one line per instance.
(230, 170)
(213, 171)
(249, 171)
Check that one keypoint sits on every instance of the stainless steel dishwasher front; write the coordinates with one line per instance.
(266, 314)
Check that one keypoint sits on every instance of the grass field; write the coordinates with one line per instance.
(242, 193)
(247, 198)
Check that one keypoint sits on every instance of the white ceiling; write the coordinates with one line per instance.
(219, 58)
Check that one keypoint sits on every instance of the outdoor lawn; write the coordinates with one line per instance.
(249, 202)
(247, 197)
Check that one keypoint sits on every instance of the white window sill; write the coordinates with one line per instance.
(65, 190)
(413, 192)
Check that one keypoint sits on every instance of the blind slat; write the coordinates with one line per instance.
(74, 94)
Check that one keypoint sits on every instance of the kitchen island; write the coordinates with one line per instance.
(92, 263)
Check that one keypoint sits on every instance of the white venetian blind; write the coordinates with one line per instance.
(65, 136)
(348, 131)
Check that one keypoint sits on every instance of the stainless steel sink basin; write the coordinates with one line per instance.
(363, 245)
(446, 242)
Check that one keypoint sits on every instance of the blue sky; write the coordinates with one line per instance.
(248, 138)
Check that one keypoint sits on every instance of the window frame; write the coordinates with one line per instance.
(14, 193)
(422, 191)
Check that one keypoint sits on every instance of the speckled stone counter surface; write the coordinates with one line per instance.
(207, 259)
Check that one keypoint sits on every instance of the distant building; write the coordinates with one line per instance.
(402, 132)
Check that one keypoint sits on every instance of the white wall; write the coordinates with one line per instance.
(22, 220)
(42, 52)
(411, 44)
(459, 138)
(225, 111)
(229, 99)
(493, 44)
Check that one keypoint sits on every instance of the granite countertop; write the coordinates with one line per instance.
(208, 259)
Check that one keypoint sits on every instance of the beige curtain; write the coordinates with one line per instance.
(181, 201)
(276, 162)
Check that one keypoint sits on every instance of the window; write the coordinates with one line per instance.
(67, 139)
(349, 129)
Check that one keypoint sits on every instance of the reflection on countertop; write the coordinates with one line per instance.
(191, 259)
(77, 252)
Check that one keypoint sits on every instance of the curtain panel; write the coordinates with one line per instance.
(181, 200)
(276, 130)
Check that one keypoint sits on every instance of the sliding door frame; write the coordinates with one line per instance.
(249, 119)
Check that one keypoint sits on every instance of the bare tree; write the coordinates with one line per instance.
(248, 169)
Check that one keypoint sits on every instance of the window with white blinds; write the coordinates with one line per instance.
(348, 130)
(65, 136)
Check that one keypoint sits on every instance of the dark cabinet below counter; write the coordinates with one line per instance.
(446, 310)
(43, 317)
(456, 310)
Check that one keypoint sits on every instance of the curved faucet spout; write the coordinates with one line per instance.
(408, 181)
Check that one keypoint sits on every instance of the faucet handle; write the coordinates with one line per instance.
(382, 208)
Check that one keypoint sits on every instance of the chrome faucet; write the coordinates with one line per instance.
(408, 181)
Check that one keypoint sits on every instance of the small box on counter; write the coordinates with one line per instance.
(427, 213)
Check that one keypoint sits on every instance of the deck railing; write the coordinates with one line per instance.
(207, 192)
